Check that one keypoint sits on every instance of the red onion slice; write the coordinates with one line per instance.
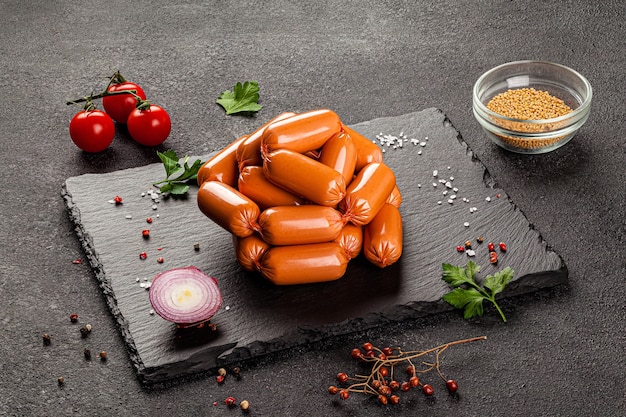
(185, 296)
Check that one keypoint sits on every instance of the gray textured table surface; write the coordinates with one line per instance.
(560, 354)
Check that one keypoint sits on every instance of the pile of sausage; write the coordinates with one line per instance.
(302, 196)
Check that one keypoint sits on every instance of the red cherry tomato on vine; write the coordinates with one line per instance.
(92, 130)
(119, 106)
(149, 127)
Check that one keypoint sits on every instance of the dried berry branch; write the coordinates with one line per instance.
(382, 380)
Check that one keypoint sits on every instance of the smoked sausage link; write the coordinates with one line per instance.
(367, 193)
(367, 151)
(249, 151)
(222, 166)
(305, 177)
(299, 225)
(249, 251)
(395, 197)
(229, 208)
(382, 237)
(339, 152)
(304, 264)
(254, 184)
(301, 133)
(351, 240)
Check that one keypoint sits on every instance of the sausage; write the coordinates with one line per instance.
(305, 177)
(301, 133)
(254, 184)
(249, 251)
(395, 197)
(229, 208)
(339, 152)
(222, 166)
(382, 237)
(367, 193)
(249, 151)
(304, 264)
(299, 225)
(351, 240)
(367, 151)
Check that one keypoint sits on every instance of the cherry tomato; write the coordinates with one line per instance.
(149, 127)
(119, 106)
(92, 130)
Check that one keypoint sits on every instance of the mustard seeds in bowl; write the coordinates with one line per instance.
(531, 106)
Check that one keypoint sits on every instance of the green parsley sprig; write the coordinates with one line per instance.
(180, 184)
(468, 294)
(243, 98)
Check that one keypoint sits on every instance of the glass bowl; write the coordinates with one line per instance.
(532, 136)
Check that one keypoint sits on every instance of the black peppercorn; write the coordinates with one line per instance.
(46, 339)
(87, 354)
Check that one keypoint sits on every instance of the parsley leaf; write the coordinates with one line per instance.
(171, 163)
(243, 98)
(468, 294)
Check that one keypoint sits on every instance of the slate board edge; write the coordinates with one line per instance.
(105, 286)
(301, 335)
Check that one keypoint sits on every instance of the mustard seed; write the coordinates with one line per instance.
(528, 104)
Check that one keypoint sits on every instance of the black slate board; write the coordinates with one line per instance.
(259, 318)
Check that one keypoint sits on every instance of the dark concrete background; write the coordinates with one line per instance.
(560, 354)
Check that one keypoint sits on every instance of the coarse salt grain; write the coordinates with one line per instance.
(435, 173)
(128, 216)
(470, 252)
(488, 199)
(466, 224)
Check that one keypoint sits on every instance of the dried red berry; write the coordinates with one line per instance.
(394, 399)
(394, 385)
(367, 346)
(332, 390)
(376, 384)
(460, 249)
(370, 354)
(143, 255)
(74, 318)
(356, 353)
(149, 220)
(388, 351)
(160, 260)
(384, 390)
(342, 377)
(493, 258)
(145, 233)
(344, 394)
(428, 389)
(230, 401)
(382, 399)
(410, 370)
(414, 381)
(382, 356)
(452, 385)
(382, 371)
(491, 246)
(405, 386)
(502, 246)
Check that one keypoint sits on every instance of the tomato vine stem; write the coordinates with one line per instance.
(101, 95)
